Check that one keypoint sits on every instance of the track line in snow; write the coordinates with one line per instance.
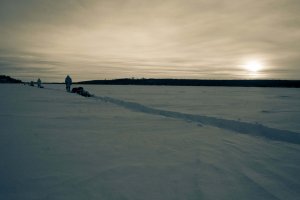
(254, 129)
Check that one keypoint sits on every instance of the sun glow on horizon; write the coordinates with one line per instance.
(253, 66)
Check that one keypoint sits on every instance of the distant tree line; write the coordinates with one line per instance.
(196, 82)
(8, 79)
(182, 82)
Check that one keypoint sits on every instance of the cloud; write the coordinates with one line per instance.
(94, 39)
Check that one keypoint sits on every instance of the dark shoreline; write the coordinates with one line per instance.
(8, 79)
(179, 82)
(197, 82)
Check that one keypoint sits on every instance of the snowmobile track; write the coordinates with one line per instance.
(254, 129)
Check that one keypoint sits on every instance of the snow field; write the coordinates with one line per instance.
(56, 145)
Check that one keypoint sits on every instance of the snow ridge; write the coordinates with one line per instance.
(254, 129)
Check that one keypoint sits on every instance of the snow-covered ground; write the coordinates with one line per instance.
(142, 142)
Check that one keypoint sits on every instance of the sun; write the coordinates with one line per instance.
(253, 66)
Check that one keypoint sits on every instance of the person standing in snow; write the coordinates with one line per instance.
(68, 82)
(39, 83)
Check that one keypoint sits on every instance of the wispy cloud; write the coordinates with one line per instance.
(92, 39)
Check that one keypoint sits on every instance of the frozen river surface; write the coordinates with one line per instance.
(142, 142)
(276, 107)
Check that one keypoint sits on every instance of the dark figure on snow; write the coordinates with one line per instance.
(68, 82)
(39, 83)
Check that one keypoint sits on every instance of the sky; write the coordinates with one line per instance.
(108, 39)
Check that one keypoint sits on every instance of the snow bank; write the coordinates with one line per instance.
(56, 145)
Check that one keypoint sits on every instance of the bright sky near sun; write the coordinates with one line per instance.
(98, 39)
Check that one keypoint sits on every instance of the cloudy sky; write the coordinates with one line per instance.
(97, 39)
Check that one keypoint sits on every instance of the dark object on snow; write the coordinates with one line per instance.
(68, 82)
(39, 83)
(81, 91)
(31, 83)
